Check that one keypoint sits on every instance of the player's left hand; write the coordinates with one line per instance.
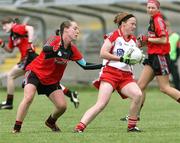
(142, 40)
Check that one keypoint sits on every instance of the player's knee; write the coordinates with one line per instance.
(137, 96)
(101, 106)
(163, 89)
(62, 107)
(10, 76)
(28, 100)
(142, 86)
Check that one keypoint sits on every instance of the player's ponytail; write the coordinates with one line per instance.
(57, 32)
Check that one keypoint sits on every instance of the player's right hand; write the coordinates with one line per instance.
(142, 40)
(126, 58)
(128, 61)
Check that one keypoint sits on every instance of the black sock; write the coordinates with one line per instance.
(9, 99)
(51, 120)
(178, 100)
(17, 125)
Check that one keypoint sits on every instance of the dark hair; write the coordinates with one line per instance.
(65, 24)
(9, 20)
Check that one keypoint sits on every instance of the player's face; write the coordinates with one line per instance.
(152, 9)
(130, 25)
(73, 31)
(7, 27)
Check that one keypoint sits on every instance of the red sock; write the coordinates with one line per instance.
(132, 122)
(18, 122)
(65, 90)
(80, 126)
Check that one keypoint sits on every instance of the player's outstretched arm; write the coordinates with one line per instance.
(88, 66)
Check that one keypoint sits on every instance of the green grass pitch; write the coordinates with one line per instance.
(160, 120)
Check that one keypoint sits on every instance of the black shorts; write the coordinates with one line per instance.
(30, 77)
(159, 63)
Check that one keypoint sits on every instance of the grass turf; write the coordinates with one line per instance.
(159, 120)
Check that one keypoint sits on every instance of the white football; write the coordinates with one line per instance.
(137, 54)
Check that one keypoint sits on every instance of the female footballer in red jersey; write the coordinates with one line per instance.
(158, 62)
(21, 36)
(45, 72)
(117, 73)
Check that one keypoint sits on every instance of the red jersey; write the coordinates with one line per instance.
(19, 38)
(157, 28)
(50, 71)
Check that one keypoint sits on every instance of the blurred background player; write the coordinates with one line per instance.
(174, 40)
(21, 36)
(117, 73)
(57, 52)
(158, 48)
